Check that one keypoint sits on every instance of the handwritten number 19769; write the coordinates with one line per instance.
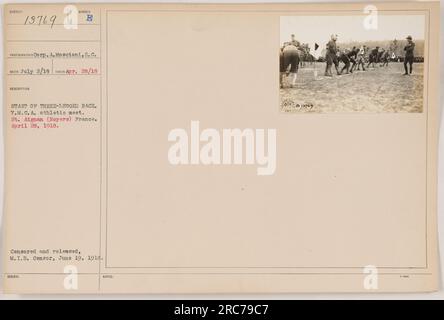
(40, 20)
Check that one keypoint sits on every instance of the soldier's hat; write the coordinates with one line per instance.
(409, 38)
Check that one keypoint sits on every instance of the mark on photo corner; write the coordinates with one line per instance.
(289, 105)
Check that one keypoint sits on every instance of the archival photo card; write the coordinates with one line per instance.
(157, 148)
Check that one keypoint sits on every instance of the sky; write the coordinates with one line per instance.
(311, 29)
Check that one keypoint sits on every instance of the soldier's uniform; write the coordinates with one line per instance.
(385, 58)
(360, 58)
(409, 55)
(344, 57)
(291, 58)
(373, 57)
(353, 57)
(379, 56)
(289, 62)
(331, 58)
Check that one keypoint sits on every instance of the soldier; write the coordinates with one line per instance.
(331, 56)
(385, 56)
(360, 58)
(344, 57)
(373, 57)
(353, 57)
(379, 56)
(290, 62)
(409, 55)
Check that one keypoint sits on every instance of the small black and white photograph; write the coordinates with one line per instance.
(339, 64)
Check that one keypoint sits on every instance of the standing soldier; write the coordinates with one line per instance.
(290, 62)
(331, 56)
(409, 55)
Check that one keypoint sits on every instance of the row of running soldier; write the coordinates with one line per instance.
(357, 56)
(353, 59)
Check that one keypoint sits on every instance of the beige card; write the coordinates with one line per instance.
(221, 148)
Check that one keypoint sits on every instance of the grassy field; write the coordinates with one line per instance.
(379, 89)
